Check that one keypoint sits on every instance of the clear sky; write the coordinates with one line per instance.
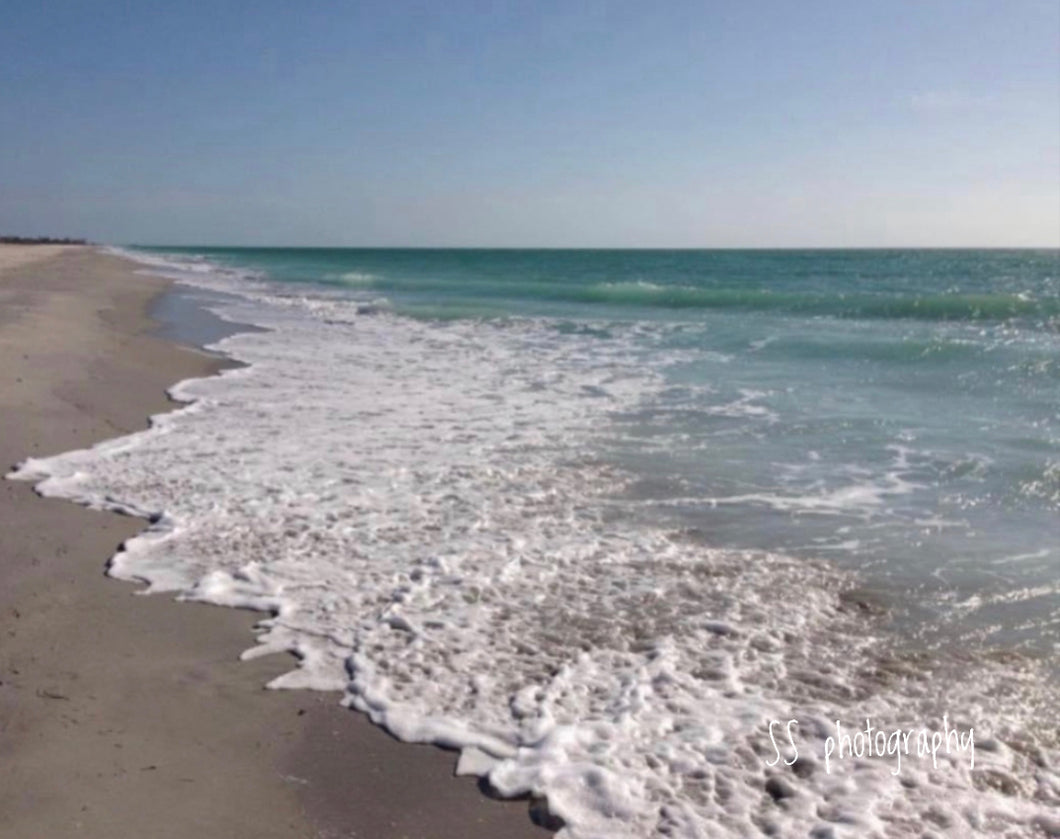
(646, 124)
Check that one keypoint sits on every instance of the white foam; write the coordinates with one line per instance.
(358, 278)
(419, 509)
(742, 407)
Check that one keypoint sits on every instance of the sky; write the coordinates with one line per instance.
(538, 124)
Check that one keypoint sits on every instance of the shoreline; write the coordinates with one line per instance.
(124, 715)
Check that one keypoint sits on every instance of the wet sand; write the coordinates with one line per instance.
(125, 715)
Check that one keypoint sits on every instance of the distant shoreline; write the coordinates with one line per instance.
(41, 240)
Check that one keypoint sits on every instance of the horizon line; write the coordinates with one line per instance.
(215, 245)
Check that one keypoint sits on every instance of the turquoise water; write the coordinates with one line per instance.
(917, 284)
(896, 412)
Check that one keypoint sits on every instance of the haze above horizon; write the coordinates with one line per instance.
(765, 124)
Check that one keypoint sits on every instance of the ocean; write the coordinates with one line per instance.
(597, 518)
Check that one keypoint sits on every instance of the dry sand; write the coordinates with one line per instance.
(130, 716)
(13, 256)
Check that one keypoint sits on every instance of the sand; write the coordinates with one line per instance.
(124, 715)
(13, 256)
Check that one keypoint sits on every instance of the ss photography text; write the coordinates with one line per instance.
(877, 743)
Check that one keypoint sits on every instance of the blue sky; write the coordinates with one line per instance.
(725, 124)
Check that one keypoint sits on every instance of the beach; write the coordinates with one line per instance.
(685, 556)
(125, 715)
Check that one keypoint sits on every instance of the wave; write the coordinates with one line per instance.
(928, 307)
(943, 307)
(357, 279)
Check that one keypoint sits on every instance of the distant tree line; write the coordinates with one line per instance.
(39, 240)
